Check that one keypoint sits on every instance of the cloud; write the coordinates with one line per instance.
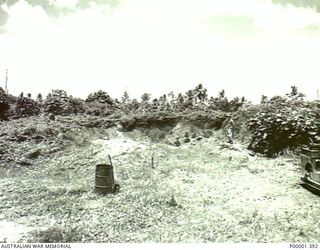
(158, 46)
(315, 4)
(53, 8)
(3, 17)
(87, 3)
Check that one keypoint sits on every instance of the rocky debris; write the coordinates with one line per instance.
(33, 154)
(177, 143)
(28, 132)
(186, 139)
(204, 179)
(38, 138)
(174, 129)
(51, 117)
(18, 137)
(205, 120)
(184, 133)
(26, 139)
(24, 162)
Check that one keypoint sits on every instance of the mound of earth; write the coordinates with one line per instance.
(203, 190)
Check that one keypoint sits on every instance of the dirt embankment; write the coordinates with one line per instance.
(202, 190)
(24, 140)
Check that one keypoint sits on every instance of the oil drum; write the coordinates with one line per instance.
(104, 180)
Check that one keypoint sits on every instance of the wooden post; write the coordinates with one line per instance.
(152, 161)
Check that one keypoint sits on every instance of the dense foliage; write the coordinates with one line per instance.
(26, 107)
(283, 122)
(59, 103)
(100, 96)
(4, 105)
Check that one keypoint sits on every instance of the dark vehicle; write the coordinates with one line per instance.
(310, 161)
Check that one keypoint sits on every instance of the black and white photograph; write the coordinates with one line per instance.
(159, 121)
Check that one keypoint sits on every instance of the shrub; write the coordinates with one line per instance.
(101, 97)
(98, 109)
(58, 103)
(54, 105)
(4, 105)
(76, 105)
(26, 107)
(223, 104)
(284, 123)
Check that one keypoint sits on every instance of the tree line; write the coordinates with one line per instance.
(100, 103)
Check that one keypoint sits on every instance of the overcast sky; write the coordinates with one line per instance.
(247, 47)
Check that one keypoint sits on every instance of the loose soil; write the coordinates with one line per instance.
(202, 191)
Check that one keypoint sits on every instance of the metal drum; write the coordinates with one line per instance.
(104, 183)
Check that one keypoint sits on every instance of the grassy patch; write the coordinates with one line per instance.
(198, 192)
